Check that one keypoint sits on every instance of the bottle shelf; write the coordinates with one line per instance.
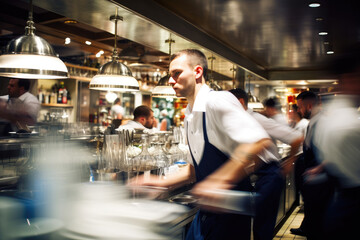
(60, 105)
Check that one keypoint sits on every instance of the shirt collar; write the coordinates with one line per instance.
(200, 100)
(23, 96)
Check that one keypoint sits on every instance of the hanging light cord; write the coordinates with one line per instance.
(115, 18)
(29, 29)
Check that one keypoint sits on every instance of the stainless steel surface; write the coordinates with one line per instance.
(277, 40)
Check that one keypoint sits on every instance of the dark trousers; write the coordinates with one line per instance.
(316, 198)
(268, 187)
(342, 218)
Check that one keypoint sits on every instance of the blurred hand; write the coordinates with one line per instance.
(205, 192)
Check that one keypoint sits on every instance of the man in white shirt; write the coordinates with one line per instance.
(224, 141)
(272, 109)
(117, 111)
(22, 108)
(269, 184)
(143, 119)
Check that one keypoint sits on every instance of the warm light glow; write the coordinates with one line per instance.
(32, 66)
(87, 42)
(101, 52)
(330, 52)
(110, 97)
(67, 40)
(323, 33)
(116, 83)
(163, 91)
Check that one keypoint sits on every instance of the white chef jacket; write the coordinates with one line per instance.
(227, 123)
(337, 135)
(277, 131)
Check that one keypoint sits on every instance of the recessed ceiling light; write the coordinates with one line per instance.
(87, 42)
(70, 21)
(67, 40)
(314, 5)
(323, 33)
(319, 19)
(330, 52)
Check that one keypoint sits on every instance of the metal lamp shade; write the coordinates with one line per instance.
(163, 88)
(253, 102)
(114, 76)
(31, 57)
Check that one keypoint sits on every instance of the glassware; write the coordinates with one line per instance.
(144, 161)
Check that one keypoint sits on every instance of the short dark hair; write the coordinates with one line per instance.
(295, 108)
(142, 111)
(308, 95)
(272, 102)
(25, 83)
(197, 58)
(117, 100)
(240, 93)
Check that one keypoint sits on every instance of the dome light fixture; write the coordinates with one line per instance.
(212, 83)
(163, 89)
(31, 57)
(253, 101)
(114, 75)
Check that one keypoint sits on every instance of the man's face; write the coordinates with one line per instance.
(182, 76)
(13, 88)
(304, 108)
(149, 122)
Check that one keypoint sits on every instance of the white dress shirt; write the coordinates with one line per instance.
(276, 131)
(227, 123)
(116, 109)
(337, 135)
(131, 124)
(30, 103)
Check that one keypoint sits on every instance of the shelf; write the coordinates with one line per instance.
(60, 105)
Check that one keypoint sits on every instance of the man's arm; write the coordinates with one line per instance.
(241, 164)
(186, 175)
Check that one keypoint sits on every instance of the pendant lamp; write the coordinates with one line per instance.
(163, 89)
(31, 57)
(114, 75)
(253, 101)
(212, 83)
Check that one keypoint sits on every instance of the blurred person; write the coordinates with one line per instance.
(143, 119)
(316, 194)
(270, 179)
(117, 111)
(338, 139)
(272, 109)
(21, 108)
(164, 120)
(224, 141)
(300, 124)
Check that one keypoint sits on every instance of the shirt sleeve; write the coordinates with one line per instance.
(231, 119)
(277, 130)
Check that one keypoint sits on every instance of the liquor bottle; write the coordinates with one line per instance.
(60, 92)
(64, 96)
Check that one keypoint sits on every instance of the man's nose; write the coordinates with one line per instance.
(171, 81)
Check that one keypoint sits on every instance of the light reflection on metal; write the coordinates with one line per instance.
(212, 83)
(114, 75)
(31, 57)
(253, 101)
(163, 89)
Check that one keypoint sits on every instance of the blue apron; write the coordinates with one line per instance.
(208, 225)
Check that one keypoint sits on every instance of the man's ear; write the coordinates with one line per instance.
(198, 70)
(242, 101)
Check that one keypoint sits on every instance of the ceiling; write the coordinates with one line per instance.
(276, 40)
